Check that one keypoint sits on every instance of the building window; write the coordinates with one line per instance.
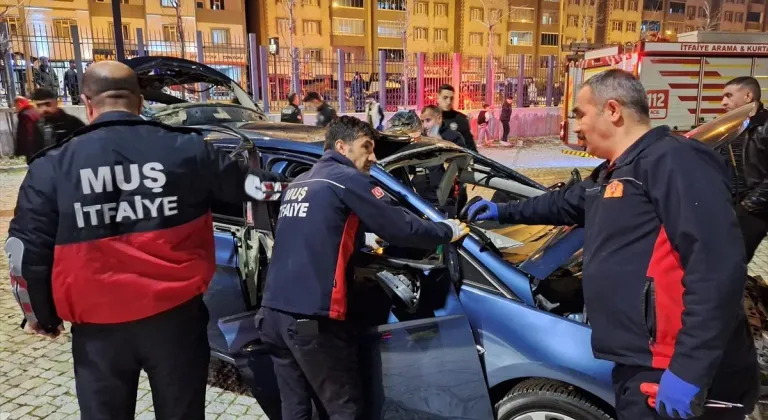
(676, 8)
(754, 17)
(573, 21)
(167, 3)
(220, 36)
(549, 18)
(421, 8)
(13, 25)
(476, 13)
(346, 26)
(520, 38)
(650, 26)
(631, 26)
(617, 25)
(313, 54)
(618, 4)
(496, 39)
(62, 28)
(521, 14)
(217, 4)
(674, 27)
(355, 4)
(441, 9)
(170, 33)
(310, 2)
(690, 12)
(740, 17)
(550, 40)
(311, 27)
(553, 1)
(574, 2)
(728, 17)
(283, 26)
(475, 38)
(495, 15)
(441, 35)
(702, 12)
(653, 5)
(393, 54)
(392, 5)
(420, 34)
(390, 29)
(632, 6)
(126, 31)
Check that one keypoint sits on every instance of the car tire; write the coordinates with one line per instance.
(540, 396)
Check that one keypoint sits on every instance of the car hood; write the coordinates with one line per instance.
(724, 129)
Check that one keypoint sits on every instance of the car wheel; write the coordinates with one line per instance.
(544, 399)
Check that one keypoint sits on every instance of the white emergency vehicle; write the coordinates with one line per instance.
(684, 79)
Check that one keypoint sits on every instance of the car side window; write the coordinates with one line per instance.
(230, 212)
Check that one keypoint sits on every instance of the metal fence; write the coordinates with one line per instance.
(343, 82)
(527, 82)
(62, 46)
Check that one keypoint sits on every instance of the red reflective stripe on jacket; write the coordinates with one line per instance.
(133, 276)
(667, 274)
(346, 248)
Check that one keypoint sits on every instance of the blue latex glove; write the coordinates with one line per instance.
(678, 399)
(483, 210)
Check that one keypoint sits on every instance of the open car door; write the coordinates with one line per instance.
(418, 354)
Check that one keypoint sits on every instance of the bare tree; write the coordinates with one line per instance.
(289, 6)
(589, 18)
(405, 32)
(179, 22)
(711, 20)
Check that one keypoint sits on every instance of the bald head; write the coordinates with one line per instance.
(111, 86)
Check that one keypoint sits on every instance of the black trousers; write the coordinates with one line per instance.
(314, 360)
(505, 127)
(172, 347)
(753, 229)
(631, 404)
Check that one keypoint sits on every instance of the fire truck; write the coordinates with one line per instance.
(684, 80)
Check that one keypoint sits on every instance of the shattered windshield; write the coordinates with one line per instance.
(203, 114)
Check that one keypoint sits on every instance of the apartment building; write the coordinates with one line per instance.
(676, 16)
(601, 21)
(43, 28)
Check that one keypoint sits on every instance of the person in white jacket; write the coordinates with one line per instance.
(374, 114)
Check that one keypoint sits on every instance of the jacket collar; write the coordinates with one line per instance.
(336, 157)
(115, 116)
(641, 144)
(760, 117)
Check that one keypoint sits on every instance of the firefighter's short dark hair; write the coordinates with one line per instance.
(622, 87)
(747, 82)
(347, 129)
(447, 87)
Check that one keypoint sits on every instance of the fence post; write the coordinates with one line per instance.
(419, 82)
(117, 19)
(11, 88)
(490, 83)
(264, 57)
(253, 52)
(550, 79)
(383, 79)
(520, 81)
(78, 59)
(295, 81)
(140, 42)
(341, 78)
(456, 80)
(201, 60)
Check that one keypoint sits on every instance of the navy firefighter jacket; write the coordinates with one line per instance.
(664, 263)
(323, 217)
(114, 225)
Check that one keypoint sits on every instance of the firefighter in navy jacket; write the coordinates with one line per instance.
(664, 262)
(320, 226)
(113, 232)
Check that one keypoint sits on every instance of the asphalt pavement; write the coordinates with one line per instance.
(36, 373)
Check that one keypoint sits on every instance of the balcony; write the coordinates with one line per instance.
(522, 14)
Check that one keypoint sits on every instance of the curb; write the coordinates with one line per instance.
(12, 168)
(577, 153)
